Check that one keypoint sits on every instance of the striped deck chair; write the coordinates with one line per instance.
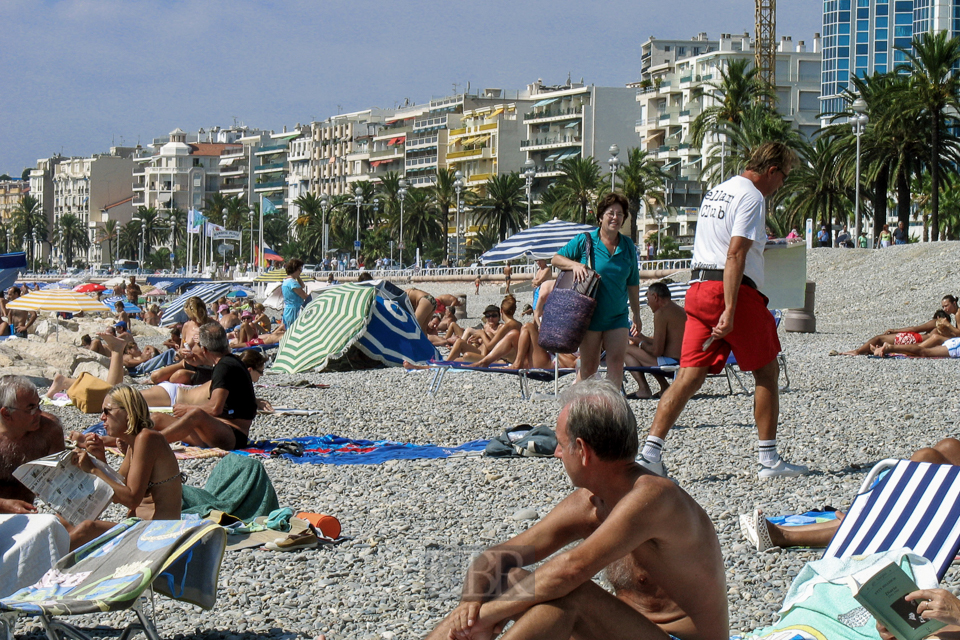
(916, 505)
(177, 558)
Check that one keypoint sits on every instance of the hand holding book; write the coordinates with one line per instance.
(933, 604)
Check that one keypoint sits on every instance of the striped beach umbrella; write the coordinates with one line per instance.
(325, 329)
(173, 312)
(57, 300)
(541, 241)
(278, 275)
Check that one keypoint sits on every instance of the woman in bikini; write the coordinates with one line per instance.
(915, 335)
(149, 482)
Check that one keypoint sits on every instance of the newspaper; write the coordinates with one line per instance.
(73, 493)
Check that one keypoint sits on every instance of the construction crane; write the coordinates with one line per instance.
(765, 50)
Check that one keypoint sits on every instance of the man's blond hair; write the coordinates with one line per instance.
(772, 154)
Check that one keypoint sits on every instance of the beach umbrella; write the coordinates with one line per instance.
(128, 306)
(541, 241)
(156, 293)
(112, 282)
(57, 300)
(91, 287)
(240, 293)
(10, 266)
(325, 329)
(279, 275)
(173, 311)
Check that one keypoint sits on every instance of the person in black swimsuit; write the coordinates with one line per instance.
(225, 420)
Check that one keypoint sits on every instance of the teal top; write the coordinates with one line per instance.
(617, 272)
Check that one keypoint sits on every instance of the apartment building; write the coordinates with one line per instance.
(575, 120)
(487, 143)
(299, 169)
(94, 189)
(675, 88)
(10, 193)
(183, 170)
(861, 38)
(41, 185)
(341, 150)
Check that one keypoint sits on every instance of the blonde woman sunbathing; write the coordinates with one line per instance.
(149, 483)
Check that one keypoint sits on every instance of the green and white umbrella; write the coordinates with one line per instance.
(328, 326)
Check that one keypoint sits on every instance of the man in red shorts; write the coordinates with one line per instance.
(725, 309)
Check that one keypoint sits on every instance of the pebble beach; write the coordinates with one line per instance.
(414, 525)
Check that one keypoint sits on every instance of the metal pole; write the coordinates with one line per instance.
(402, 193)
(860, 120)
(356, 244)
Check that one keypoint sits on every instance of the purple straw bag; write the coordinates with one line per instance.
(569, 309)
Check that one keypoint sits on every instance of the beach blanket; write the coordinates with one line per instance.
(165, 359)
(820, 604)
(180, 559)
(332, 449)
(238, 485)
(29, 546)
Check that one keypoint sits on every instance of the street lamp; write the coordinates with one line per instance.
(661, 214)
(224, 220)
(859, 121)
(614, 163)
(528, 173)
(250, 224)
(33, 249)
(458, 187)
(402, 194)
(324, 205)
(358, 192)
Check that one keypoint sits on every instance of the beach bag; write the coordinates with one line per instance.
(569, 309)
(523, 441)
(88, 393)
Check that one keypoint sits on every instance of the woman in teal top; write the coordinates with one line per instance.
(615, 259)
(294, 292)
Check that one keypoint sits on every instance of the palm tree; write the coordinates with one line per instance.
(309, 206)
(177, 219)
(236, 215)
(128, 243)
(641, 177)
(70, 235)
(505, 206)
(213, 207)
(738, 89)
(579, 183)
(933, 89)
(108, 233)
(759, 125)
(420, 219)
(818, 185)
(28, 220)
(444, 197)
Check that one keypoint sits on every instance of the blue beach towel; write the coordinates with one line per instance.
(332, 449)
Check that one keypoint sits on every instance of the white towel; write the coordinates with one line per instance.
(30, 545)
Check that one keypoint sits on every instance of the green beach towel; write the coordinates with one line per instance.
(238, 485)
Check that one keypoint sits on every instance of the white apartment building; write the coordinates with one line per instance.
(10, 193)
(95, 190)
(674, 89)
(299, 169)
(575, 120)
(488, 142)
(341, 150)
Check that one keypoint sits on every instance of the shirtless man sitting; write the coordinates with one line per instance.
(26, 433)
(224, 421)
(228, 317)
(663, 348)
(18, 320)
(659, 548)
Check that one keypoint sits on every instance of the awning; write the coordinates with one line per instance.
(389, 160)
(496, 112)
(674, 135)
(551, 157)
(466, 141)
(671, 165)
(572, 124)
(544, 103)
(570, 154)
(481, 139)
(375, 163)
(229, 160)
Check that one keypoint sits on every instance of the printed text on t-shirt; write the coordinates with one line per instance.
(715, 204)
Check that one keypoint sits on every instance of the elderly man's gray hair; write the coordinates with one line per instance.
(598, 414)
(10, 388)
(213, 338)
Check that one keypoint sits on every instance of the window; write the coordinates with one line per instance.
(681, 51)
(880, 34)
(880, 46)
(882, 9)
(882, 22)
(880, 58)
(880, 68)
(666, 48)
(863, 13)
(863, 49)
(843, 41)
(861, 62)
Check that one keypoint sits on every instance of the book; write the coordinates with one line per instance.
(69, 490)
(883, 596)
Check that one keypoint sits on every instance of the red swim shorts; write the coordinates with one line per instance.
(754, 340)
(908, 337)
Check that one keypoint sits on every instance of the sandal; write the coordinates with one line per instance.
(291, 448)
(754, 529)
(634, 396)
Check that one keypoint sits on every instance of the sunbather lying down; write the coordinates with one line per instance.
(765, 535)
(938, 329)
(932, 347)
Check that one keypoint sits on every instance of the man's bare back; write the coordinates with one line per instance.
(672, 318)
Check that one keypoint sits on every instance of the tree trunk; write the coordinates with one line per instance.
(446, 237)
(903, 197)
(935, 180)
(634, 220)
(880, 201)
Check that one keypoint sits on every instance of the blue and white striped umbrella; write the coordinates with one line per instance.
(541, 241)
(174, 313)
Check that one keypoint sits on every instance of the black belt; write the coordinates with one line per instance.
(717, 275)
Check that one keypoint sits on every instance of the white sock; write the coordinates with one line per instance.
(653, 448)
(768, 453)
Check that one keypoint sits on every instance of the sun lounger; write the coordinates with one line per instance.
(177, 558)
(262, 348)
(731, 370)
(440, 369)
(916, 505)
(678, 292)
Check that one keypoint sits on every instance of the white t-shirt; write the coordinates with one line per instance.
(732, 208)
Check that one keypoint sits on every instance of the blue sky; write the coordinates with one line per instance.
(82, 75)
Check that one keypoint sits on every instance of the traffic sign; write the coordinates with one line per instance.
(356, 244)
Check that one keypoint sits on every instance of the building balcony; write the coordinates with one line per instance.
(269, 186)
(472, 154)
(479, 177)
(139, 172)
(688, 115)
(425, 161)
(233, 171)
(550, 142)
(271, 149)
(550, 115)
(138, 201)
(422, 143)
(437, 122)
(393, 152)
(473, 130)
(549, 173)
(268, 168)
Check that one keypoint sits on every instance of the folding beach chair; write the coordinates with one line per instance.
(178, 558)
(915, 506)
(732, 371)
(524, 376)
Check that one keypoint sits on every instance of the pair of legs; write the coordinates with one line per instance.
(530, 355)
(199, 428)
(870, 346)
(114, 375)
(506, 350)
(587, 612)
(614, 341)
(637, 357)
(916, 350)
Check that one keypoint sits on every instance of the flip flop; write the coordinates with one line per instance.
(754, 528)
(833, 352)
(634, 396)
